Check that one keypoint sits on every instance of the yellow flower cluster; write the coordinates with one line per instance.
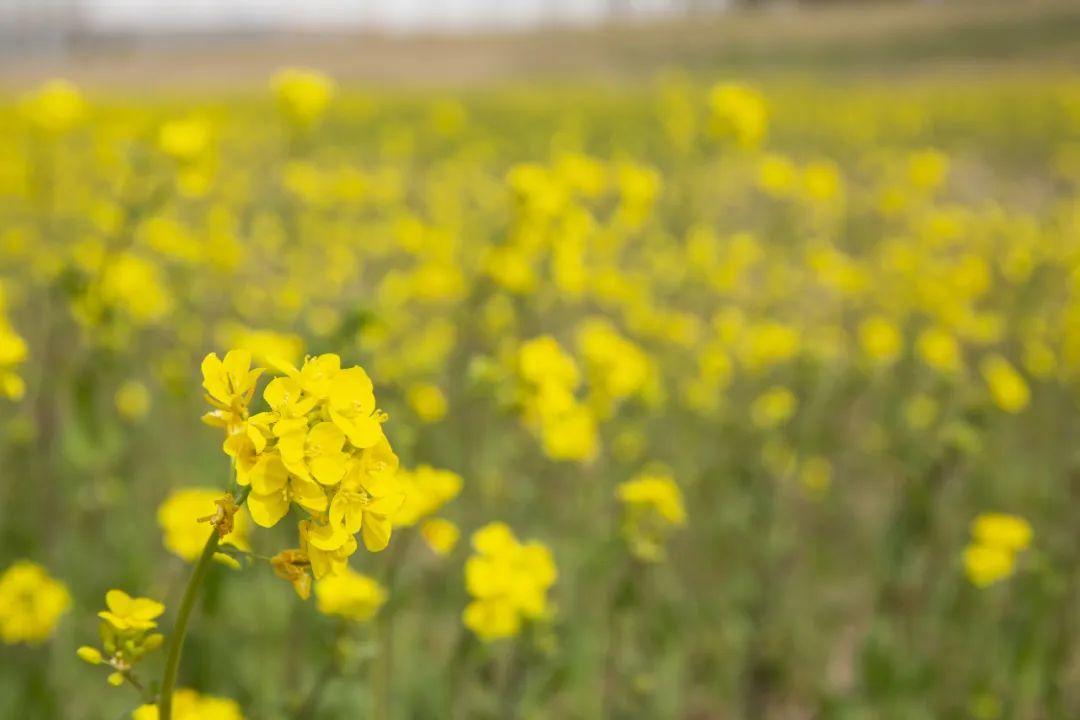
(190, 705)
(31, 604)
(653, 506)
(126, 635)
(508, 581)
(996, 538)
(303, 95)
(320, 447)
(549, 379)
(426, 490)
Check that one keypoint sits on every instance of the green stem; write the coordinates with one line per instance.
(187, 604)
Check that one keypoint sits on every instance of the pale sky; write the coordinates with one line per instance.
(389, 15)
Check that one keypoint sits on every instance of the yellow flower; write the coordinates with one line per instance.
(1008, 532)
(352, 407)
(367, 501)
(939, 349)
(31, 604)
(185, 140)
(350, 595)
(426, 489)
(986, 565)
(773, 408)
(12, 353)
(185, 536)
(1007, 386)
(56, 107)
(229, 386)
(508, 582)
(128, 613)
(273, 489)
(327, 547)
(303, 95)
(190, 705)
(815, 474)
(318, 450)
(880, 339)
(132, 400)
(738, 113)
(654, 505)
(440, 535)
(542, 360)
(427, 401)
(292, 565)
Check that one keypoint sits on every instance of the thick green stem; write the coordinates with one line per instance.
(187, 604)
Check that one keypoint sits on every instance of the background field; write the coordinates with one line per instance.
(925, 162)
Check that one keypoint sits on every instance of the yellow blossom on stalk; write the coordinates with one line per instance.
(179, 518)
(190, 705)
(126, 635)
(653, 507)
(367, 502)
(738, 113)
(303, 95)
(352, 407)
(1007, 386)
(350, 595)
(508, 582)
(426, 490)
(773, 408)
(440, 535)
(996, 540)
(31, 604)
(293, 565)
(230, 385)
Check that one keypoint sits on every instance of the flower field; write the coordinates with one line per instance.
(695, 397)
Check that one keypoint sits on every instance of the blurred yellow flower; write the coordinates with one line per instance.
(880, 339)
(303, 95)
(440, 535)
(773, 408)
(426, 490)
(190, 705)
(350, 595)
(653, 506)
(508, 582)
(132, 400)
(739, 114)
(427, 401)
(128, 613)
(56, 107)
(179, 519)
(996, 540)
(939, 349)
(1007, 387)
(31, 604)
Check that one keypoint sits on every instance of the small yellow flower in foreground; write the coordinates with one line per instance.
(132, 400)
(229, 384)
(190, 705)
(126, 635)
(128, 613)
(350, 595)
(427, 401)
(1007, 387)
(440, 535)
(773, 408)
(508, 581)
(303, 95)
(179, 518)
(653, 506)
(31, 604)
